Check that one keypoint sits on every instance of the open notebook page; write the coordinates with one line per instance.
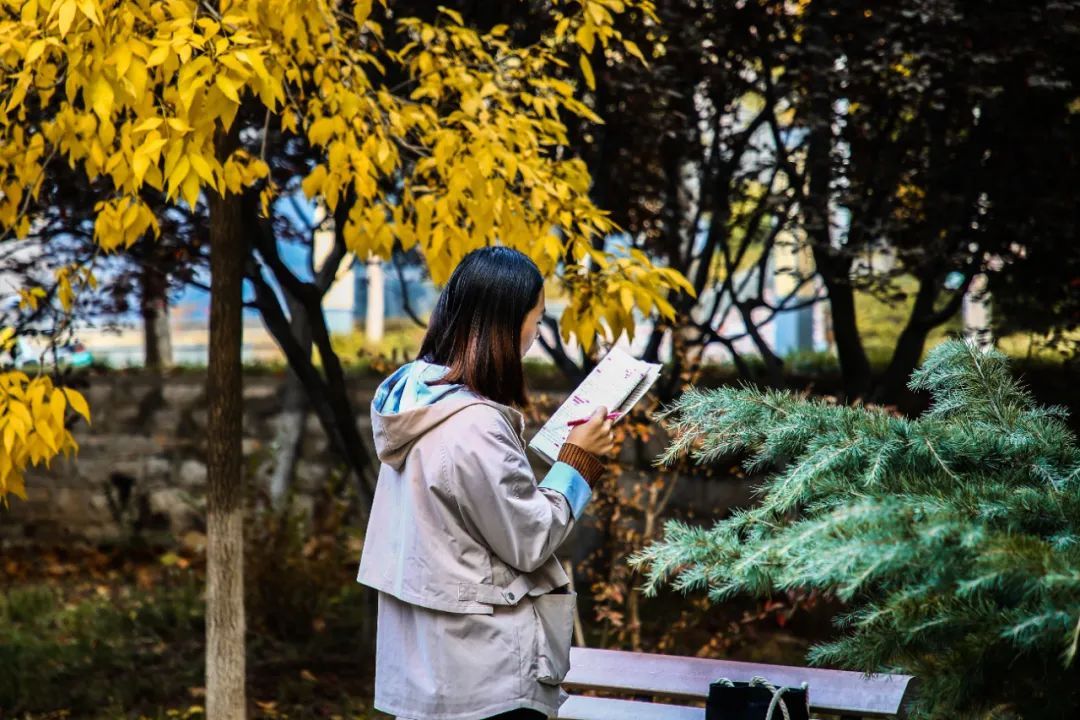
(617, 382)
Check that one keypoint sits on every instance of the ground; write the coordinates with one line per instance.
(104, 634)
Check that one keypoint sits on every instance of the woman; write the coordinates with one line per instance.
(474, 614)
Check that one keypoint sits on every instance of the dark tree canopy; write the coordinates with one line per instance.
(925, 140)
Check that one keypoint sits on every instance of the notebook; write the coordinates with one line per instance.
(617, 382)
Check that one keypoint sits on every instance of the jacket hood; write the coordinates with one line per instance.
(405, 407)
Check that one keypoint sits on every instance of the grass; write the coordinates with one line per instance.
(130, 644)
(102, 654)
(401, 340)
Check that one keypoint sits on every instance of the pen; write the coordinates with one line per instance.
(582, 421)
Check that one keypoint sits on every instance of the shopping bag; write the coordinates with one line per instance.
(756, 700)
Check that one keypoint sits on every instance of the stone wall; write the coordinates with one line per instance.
(141, 463)
(141, 470)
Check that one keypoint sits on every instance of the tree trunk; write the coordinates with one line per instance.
(333, 407)
(909, 346)
(290, 432)
(831, 260)
(906, 355)
(225, 622)
(155, 314)
(975, 311)
(854, 365)
(374, 324)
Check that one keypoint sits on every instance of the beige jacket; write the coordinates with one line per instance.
(474, 619)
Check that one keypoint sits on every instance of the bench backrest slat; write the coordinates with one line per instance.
(579, 707)
(833, 691)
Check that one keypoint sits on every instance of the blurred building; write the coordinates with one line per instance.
(405, 286)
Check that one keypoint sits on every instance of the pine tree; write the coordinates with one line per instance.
(953, 539)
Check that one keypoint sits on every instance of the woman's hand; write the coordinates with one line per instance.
(594, 436)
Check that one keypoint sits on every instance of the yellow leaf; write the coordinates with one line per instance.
(57, 404)
(320, 131)
(66, 294)
(585, 37)
(160, 55)
(233, 63)
(552, 246)
(97, 155)
(101, 97)
(678, 280)
(256, 169)
(147, 125)
(312, 185)
(36, 49)
(288, 122)
(586, 70)
(129, 217)
(66, 16)
(202, 167)
(384, 156)
(140, 163)
(15, 379)
(188, 88)
(46, 434)
(89, 9)
(598, 14)
(266, 199)
(256, 61)
(36, 393)
(30, 11)
(190, 188)
(7, 338)
(179, 172)
(121, 57)
(16, 486)
(106, 130)
(664, 307)
(18, 93)
(633, 49)
(19, 419)
(227, 87)
(361, 11)
(78, 403)
(453, 14)
(179, 125)
(234, 181)
(137, 76)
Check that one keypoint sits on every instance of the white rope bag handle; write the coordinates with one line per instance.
(777, 693)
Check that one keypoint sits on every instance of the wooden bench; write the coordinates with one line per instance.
(832, 692)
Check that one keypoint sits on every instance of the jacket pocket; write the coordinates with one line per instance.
(554, 630)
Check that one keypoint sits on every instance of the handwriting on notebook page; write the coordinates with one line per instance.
(617, 382)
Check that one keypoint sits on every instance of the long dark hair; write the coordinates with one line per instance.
(475, 328)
